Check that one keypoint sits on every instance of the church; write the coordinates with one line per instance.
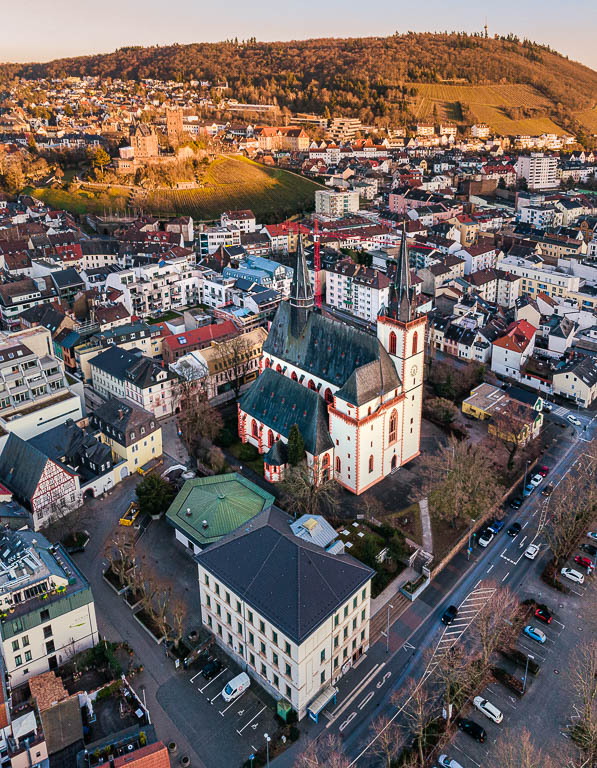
(355, 397)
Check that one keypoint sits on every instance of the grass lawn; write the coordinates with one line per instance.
(408, 520)
(171, 315)
(255, 464)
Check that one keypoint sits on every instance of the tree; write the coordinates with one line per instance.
(569, 510)
(99, 160)
(386, 741)
(154, 495)
(507, 427)
(460, 481)
(325, 752)
(236, 357)
(418, 710)
(196, 418)
(495, 622)
(440, 410)
(179, 616)
(515, 749)
(302, 496)
(296, 446)
(453, 672)
(583, 675)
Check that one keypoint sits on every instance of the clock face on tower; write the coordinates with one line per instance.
(413, 370)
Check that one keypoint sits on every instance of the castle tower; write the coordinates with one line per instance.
(402, 333)
(301, 295)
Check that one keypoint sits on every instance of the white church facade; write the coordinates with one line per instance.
(355, 397)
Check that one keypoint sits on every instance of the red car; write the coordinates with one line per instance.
(586, 562)
(543, 471)
(543, 615)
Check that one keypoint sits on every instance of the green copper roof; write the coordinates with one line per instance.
(224, 502)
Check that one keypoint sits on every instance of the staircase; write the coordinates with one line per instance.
(379, 622)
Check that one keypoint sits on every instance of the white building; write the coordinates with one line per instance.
(293, 615)
(536, 278)
(334, 205)
(541, 216)
(512, 350)
(480, 131)
(242, 220)
(47, 613)
(360, 290)
(539, 170)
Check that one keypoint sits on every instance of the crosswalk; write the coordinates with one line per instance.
(560, 411)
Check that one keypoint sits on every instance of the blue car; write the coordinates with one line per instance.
(497, 525)
(528, 490)
(535, 634)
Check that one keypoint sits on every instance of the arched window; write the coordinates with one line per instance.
(338, 465)
(254, 429)
(311, 384)
(415, 342)
(270, 438)
(326, 460)
(279, 368)
(370, 463)
(392, 343)
(329, 398)
(268, 362)
(294, 377)
(393, 427)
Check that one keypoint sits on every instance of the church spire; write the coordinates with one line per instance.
(301, 295)
(399, 305)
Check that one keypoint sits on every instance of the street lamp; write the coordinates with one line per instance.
(526, 469)
(526, 672)
(470, 533)
(388, 629)
(267, 741)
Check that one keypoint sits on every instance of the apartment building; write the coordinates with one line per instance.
(537, 278)
(344, 128)
(146, 338)
(265, 272)
(20, 295)
(360, 290)
(177, 345)
(511, 350)
(539, 170)
(243, 220)
(334, 205)
(293, 615)
(540, 216)
(47, 613)
(213, 238)
(577, 381)
(127, 374)
(478, 257)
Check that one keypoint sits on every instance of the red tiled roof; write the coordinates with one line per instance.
(201, 335)
(150, 756)
(517, 337)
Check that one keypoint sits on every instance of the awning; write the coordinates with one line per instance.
(320, 702)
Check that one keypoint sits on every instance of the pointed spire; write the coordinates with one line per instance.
(301, 295)
(399, 305)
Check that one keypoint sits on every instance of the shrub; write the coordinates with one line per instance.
(514, 684)
(225, 438)
(550, 577)
(247, 452)
(294, 733)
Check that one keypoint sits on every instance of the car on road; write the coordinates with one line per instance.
(514, 529)
(486, 537)
(586, 562)
(592, 535)
(448, 762)
(547, 490)
(543, 614)
(573, 575)
(547, 407)
(532, 551)
(573, 420)
(211, 669)
(536, 480)
(472, 729)
(496, 525)
(589, 549)
(543, 470)
(449, 614)
(516, 502)
(488, 709)
(535, 634)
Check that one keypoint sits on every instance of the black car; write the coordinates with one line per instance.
(589, 549)
(449, 614)
(472, 728)
(516, 502)
(211, 669)
(514, 529)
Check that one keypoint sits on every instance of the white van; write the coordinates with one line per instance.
(236, 686)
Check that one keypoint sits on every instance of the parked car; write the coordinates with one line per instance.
(237, 686)
(496, 525)
(448, 762)
(532, 551)
(211, 669)
(528, 489)
(449, 614)
(592, 535)
(514, 529)
(486, 537)
(488, 709)
(547, 407)
(536, 480)
(535, 634)
(589, 549)
(573, 420)
(516, 502)
(573, 575)
(472, 729)
(547, 490)
(543, 614)
(586, 562)
(543, 470)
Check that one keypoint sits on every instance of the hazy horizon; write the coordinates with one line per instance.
(567, 28)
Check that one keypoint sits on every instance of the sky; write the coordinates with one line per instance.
(40, 30)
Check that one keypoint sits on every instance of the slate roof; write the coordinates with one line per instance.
(370, 381)
(585, 369)
(66, 278)
(21, 466)
(292, 583)
(277, 456)
(122, 417)
(279, 402)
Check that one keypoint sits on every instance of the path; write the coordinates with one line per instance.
(426, 523)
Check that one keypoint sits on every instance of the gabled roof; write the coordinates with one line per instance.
(21, 466)
(292, 583)
(370, 381)
(517, 337)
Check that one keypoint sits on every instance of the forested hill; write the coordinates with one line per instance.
(370, 75)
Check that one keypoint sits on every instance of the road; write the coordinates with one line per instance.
(365, 692)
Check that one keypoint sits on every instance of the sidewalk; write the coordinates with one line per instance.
(393, 588)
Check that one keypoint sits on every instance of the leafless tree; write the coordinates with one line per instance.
(386, 740)
(453, 673)
(325, 752)
(119, 551)
(236, 358)
(568, 515)
(302, 496)
(583, 674)
(161, 603)
(496, 621)
(507, 428)
(515, 749)
(179, 616)
(196, 418)
(418, 708)
(460, 481)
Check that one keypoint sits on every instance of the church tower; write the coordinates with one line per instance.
(402, 333)
(301, 295)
